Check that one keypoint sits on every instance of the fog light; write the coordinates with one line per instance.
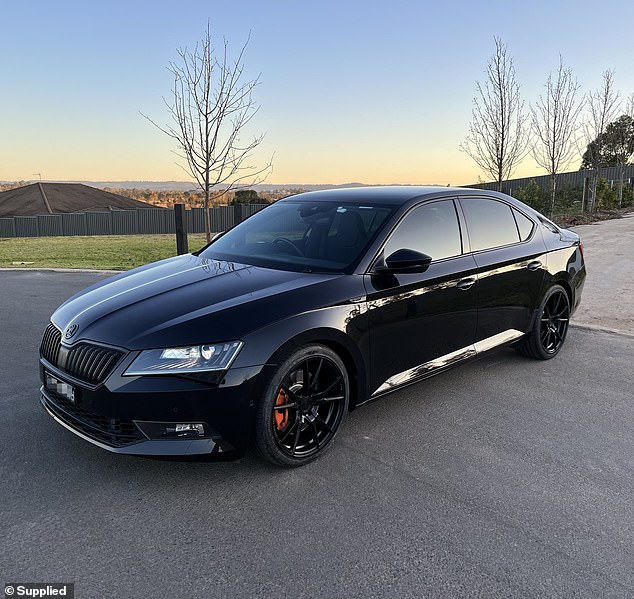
(190, 428)
(173, 430)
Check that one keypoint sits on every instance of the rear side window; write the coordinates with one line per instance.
(490, 223)
(524, 225)
(431, 229)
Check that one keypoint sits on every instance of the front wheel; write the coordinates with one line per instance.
(548, 333)
(303, 407)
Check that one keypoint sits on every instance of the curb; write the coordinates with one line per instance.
(596, 327)
(89, 270)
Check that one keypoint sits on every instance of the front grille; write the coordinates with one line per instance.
(91, 363)
(86, 362)
(51, 343)
(110, 431)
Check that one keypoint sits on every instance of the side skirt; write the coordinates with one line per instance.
(413, 375)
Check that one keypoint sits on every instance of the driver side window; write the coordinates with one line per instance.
(432, 229)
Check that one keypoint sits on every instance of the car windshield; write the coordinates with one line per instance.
(303, 236)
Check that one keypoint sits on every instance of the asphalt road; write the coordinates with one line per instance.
(504, 478)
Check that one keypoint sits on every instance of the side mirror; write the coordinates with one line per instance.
(405, 261)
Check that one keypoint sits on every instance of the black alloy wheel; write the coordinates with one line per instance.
(554, 322)
(549, 330)
(303, 407)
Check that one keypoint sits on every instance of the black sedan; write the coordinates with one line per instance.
(311, 307)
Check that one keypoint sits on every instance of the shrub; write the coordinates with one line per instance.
(567, 197)
(534, 196)
(628, 196)
(607, 197)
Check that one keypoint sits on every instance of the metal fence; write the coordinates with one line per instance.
(123, 222)
(573, 178)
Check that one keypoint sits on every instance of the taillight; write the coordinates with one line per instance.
(581, 250)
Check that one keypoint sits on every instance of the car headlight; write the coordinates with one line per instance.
(177, 360)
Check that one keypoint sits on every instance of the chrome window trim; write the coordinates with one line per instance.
(452, 198)
(509, 205)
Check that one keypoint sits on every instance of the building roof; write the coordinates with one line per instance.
(55, 198)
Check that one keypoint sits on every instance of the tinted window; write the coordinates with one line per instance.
(490, 223)
(524, 225)
(300, 235)
(431, 229)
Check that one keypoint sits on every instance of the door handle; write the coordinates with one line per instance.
(465, 284)
(535, 265)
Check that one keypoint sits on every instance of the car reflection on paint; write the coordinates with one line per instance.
(306, 310)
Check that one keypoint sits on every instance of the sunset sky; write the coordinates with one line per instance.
(364, 91)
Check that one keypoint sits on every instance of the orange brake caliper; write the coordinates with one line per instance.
(281, 416)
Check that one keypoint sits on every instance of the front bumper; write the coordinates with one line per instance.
(148, 447)
(115, 415)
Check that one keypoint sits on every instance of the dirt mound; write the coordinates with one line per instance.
(588, 218)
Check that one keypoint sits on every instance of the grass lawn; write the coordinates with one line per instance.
(107, 252)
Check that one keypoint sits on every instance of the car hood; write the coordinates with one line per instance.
(189, 300)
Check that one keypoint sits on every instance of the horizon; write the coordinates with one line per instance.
(183, 185)
(158, 185)
(384, 98)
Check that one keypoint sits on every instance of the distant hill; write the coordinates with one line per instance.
(190, 186)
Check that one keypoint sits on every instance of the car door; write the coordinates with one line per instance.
(511, 258)
(425, 320)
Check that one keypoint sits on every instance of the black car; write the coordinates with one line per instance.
(308, 309)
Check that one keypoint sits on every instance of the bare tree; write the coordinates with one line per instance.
(210, 107)
(629, 108)
(497, 138)
(603, 105)
(626, 140)
(554, 125)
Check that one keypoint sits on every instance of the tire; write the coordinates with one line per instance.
(302, 407)
(548, 334)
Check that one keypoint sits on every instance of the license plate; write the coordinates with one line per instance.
(60, 387)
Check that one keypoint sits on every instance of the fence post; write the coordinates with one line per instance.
(181, 230)
(237, 214)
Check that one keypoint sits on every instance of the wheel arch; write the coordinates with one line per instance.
(544, 343)
(549, 283)
(567, 288)
(560, 279)
(338, 342)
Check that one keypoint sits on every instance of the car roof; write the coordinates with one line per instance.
(396, 195)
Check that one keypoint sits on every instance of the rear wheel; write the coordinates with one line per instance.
(549, 331)
(303, 406)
